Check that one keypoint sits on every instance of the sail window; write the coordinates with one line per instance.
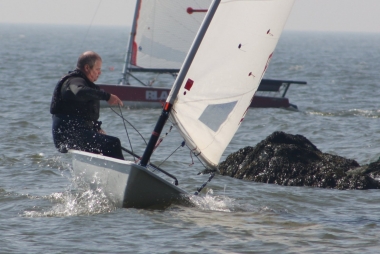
(215, 115)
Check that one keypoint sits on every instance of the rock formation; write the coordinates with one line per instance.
(293, 160)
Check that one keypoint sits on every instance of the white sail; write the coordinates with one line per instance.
(164, 32)
(226, 72)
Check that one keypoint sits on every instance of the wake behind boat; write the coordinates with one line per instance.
(233, 46)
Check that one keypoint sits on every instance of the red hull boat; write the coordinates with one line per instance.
(154, 97)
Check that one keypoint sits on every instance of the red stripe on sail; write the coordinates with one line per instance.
(191, 10)
(133, 60)
(134, 54)
(189, 84)
(266, 65)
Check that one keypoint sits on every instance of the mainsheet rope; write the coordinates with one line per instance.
(183, 143)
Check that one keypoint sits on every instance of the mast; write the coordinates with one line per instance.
(125, 74)
(193, 50)
(177, 84)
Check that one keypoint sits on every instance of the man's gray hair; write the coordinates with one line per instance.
(88, 57)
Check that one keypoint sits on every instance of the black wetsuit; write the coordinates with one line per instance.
(75, 108)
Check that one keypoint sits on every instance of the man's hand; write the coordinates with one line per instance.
(101, 131)
(114, 100)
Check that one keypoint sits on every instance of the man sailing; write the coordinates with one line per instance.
(75, 108)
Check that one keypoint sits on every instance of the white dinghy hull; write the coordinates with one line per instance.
(125, 183)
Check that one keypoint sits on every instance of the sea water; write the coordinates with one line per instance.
(44, 210)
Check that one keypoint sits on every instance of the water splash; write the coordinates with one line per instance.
(213, 203)
(74, 204)
(223, 203)
(79, 199)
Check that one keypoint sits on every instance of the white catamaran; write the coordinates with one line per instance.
(207, 103)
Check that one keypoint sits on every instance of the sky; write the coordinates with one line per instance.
(306, 15)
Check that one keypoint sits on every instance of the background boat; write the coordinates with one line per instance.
(161, 34)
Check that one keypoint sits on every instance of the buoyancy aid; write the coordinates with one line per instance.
(70, 105)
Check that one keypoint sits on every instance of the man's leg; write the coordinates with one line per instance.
(99, 143)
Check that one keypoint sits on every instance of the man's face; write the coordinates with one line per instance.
(94, 73)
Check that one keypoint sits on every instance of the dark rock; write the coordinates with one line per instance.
(293, 160)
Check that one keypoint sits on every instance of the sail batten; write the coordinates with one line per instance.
(226, 72)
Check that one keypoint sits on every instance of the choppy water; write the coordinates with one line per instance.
(42, 210)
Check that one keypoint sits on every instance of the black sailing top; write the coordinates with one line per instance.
(75, 95)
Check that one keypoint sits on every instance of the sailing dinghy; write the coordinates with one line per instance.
(207, 103)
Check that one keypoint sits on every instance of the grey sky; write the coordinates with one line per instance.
(307, 15)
